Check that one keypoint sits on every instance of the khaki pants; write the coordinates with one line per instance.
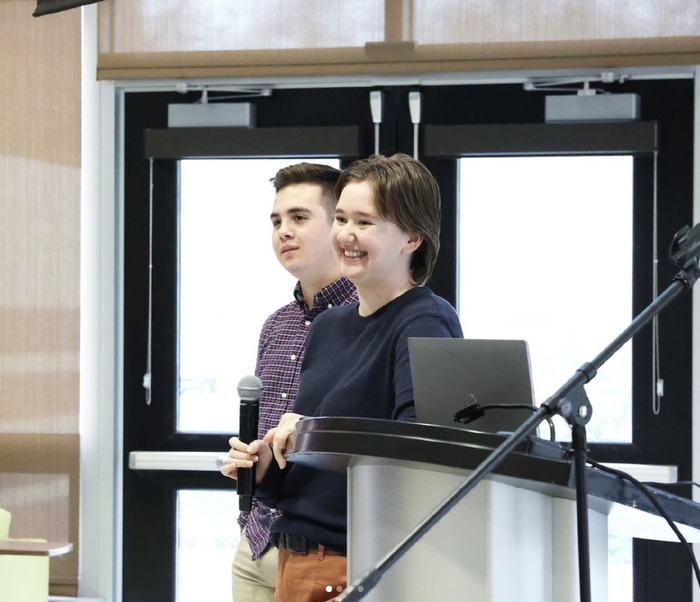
(254, 581)
(317, 577)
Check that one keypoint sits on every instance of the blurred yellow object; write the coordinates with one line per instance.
(24, 577)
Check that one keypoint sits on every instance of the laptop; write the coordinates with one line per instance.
(451, 374)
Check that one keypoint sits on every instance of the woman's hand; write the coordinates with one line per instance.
(279, 436)
(245, 455)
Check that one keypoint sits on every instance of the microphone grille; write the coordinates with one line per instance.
(250, 388)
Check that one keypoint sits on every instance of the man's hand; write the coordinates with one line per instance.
(244, 455)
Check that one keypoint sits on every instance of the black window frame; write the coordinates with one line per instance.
(657, 440)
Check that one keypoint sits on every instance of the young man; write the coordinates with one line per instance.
(302, 218)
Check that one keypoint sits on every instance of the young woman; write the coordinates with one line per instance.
(386, 235)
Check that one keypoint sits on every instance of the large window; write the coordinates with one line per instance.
(230, 282)
(546, 256)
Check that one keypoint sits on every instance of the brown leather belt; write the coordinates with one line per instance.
(300, 545)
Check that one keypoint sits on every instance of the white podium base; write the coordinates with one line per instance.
(501, 543)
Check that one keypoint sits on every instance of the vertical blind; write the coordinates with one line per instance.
(210, 38)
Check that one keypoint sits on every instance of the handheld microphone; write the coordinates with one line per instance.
(249, 390)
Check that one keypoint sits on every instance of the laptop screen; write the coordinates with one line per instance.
(451, 374)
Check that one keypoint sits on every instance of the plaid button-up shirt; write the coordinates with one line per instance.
(280, 353)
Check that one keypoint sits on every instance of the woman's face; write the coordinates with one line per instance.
(373, 251)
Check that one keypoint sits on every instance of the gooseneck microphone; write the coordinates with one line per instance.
(249, 390)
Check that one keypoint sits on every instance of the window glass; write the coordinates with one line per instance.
(230, 282)
(620, 576)
(545, 255)
(207, 536)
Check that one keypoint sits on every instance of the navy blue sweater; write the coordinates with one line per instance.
(354, 366)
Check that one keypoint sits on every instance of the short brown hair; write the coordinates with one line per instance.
(405, 193)
(324, 176)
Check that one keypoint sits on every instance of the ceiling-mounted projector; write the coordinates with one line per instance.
(591, 107)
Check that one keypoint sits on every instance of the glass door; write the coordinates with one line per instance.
(553, 231)
(192, 320)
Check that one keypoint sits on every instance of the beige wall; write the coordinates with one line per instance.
(40, 275)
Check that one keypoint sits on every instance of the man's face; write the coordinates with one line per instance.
(301, 231)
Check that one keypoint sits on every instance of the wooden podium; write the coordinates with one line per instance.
(512, 538)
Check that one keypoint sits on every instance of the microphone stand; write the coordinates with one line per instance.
(570, 402)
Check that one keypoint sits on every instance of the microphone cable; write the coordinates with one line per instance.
(475, 411)
(650, 496)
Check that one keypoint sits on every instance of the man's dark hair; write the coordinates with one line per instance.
(405, 193)
(324, 176)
